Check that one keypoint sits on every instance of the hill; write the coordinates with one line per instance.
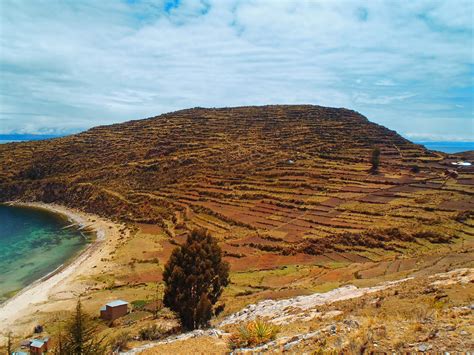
(286, 189)
(295, 171)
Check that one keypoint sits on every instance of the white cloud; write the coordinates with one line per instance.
(84, 63)
(437, 137)
(385, 82)
(362, 98)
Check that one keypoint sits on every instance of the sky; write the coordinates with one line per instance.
(66, 66)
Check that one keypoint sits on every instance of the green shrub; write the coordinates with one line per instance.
(253, 334)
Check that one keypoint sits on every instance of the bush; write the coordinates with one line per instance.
(120, 342)
(195, 277)
(253, 334)
(415, 169)
(152, 332)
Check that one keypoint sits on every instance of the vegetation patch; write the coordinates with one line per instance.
(252, 334)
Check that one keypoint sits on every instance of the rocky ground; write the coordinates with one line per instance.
(419, 314)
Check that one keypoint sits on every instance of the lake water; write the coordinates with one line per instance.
(449, 147)
(33, 243)
(8, 141)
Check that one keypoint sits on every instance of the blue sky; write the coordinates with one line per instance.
(66, 66)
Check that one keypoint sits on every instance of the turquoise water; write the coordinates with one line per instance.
(449, 147)
(8, 141)
(33, 243)
(14, 137)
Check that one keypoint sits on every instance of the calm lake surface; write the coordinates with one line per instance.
(8, 141)
(449, 147)
(33, 244)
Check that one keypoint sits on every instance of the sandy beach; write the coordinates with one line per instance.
(60, 289)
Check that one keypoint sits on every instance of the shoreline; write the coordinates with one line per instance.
(60, 213)
(61, 284)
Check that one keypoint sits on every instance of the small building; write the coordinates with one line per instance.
(39, 346)
(114, 310)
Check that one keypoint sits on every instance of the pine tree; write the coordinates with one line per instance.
(80, 336)
(375, 160)
(195, 277)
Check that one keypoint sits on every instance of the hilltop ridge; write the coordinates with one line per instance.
(294, 173)
(163, 150)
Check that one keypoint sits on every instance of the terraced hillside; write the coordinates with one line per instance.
(289, 193)
(277, 184)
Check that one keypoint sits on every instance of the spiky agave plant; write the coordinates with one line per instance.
(240, 339)
(260, 332)
(253, 333)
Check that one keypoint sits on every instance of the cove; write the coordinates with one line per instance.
(33, 243)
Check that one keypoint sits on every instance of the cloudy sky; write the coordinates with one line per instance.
(70, 65)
